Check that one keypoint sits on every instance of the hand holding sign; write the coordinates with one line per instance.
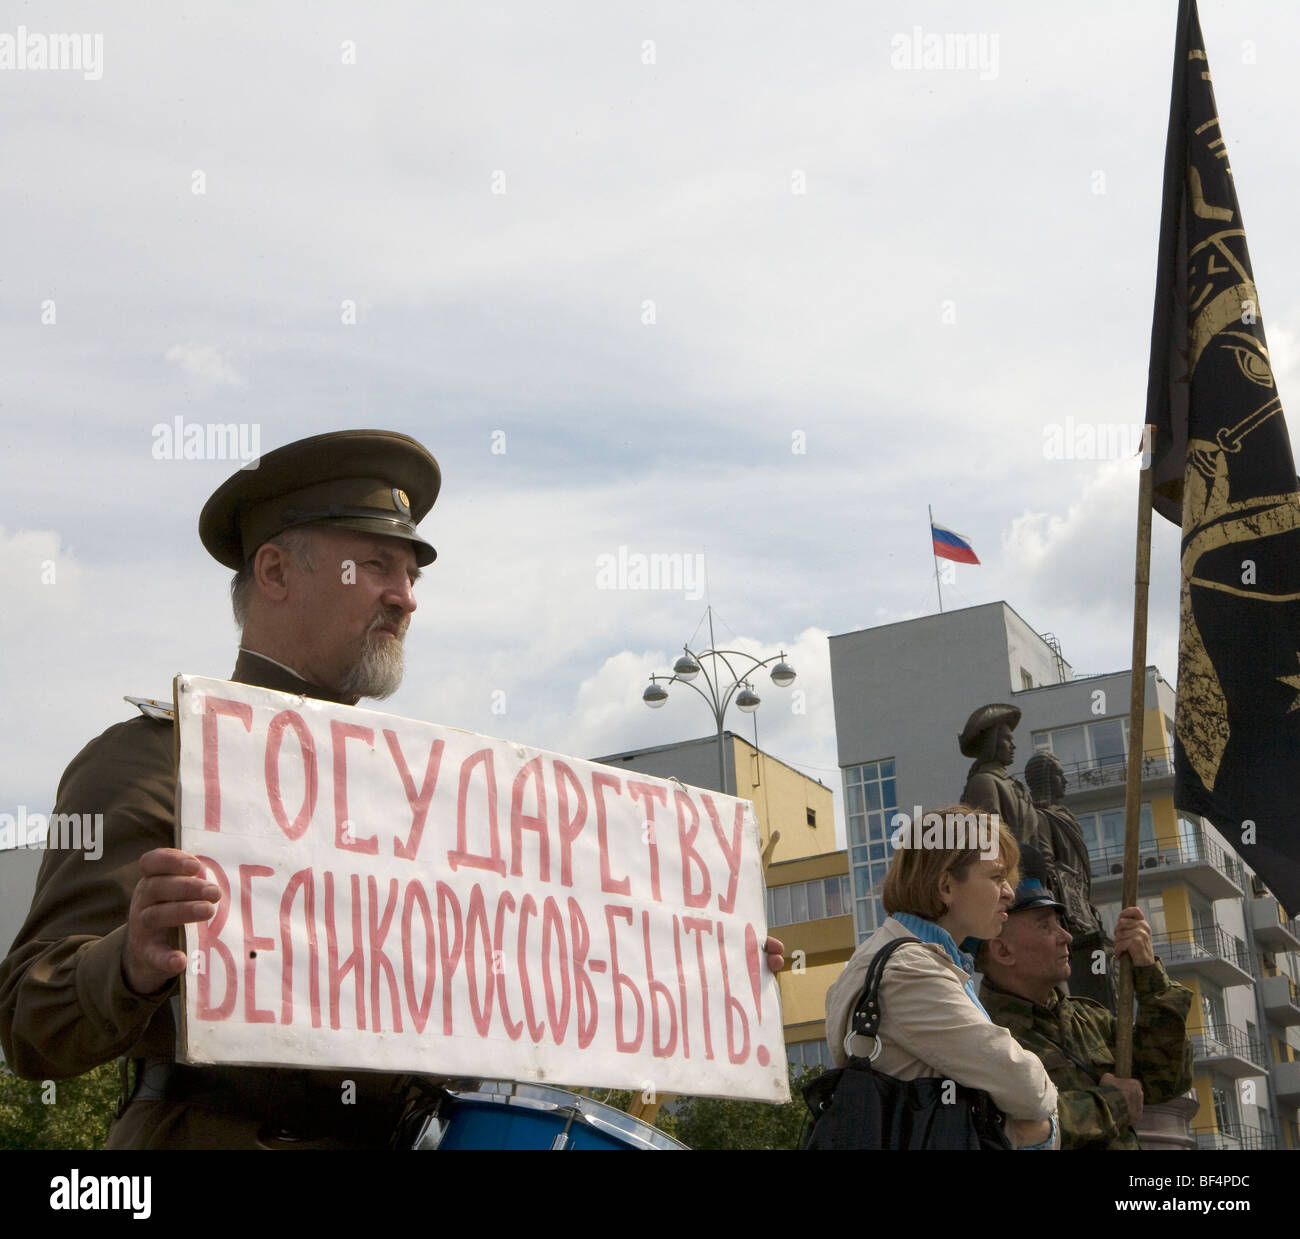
(171, 892)
(774, 949)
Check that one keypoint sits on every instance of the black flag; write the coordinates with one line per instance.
(1224, 473)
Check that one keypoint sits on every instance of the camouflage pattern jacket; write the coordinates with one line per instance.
(1075, 1038)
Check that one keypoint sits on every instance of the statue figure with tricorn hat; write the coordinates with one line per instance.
(989, 785)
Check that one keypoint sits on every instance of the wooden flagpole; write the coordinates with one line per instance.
(1136, 716)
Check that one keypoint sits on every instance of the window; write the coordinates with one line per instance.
(808, 901)
(1103, 743)
(1026, 680)
(871, 797)
(812, 817)
(781, 906)
(799, 902)
(805, 1054)
(837, 896)
(1104, 832)
(1213, 1011)
(1225, 1107)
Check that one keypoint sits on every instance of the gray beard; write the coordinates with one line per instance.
(379, 672)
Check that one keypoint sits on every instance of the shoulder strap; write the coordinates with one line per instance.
(866, 1015)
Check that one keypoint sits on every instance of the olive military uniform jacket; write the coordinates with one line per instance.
(65, 1006)
(1075, 1038)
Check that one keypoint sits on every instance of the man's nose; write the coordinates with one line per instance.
(401, 593)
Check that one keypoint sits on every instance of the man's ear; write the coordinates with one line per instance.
(1000, 952)
(271, 567)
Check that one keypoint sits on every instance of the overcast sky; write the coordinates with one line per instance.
(742, 280)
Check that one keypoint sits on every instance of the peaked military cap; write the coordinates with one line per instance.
(979, 722)
(373, 481)
(1032, 890)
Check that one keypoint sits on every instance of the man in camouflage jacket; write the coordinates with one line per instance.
(1075, 1037)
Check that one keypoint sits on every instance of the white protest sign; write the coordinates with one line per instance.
(406, 897)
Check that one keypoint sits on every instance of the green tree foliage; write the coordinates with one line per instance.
(57, 1114)
(711, 1123)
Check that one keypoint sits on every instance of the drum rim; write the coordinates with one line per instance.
(598, 1114)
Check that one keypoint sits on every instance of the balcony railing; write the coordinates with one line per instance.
(1190, 849)
(1190, 946)
(1234, 1136)
(1082, 776)
(1219, 1042)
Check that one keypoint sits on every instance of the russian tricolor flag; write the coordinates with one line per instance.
(949, 545)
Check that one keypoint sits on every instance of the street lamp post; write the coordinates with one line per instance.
(691, 664)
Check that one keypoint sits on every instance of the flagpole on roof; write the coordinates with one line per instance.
(935, 557)
(1133, 789)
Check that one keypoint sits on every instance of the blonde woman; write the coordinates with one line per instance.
(932, 1023)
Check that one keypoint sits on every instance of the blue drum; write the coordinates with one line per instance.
(502, 1114)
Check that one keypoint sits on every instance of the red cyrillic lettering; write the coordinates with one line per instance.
(657, 990)
(356, 960)
(553, 931)
(448, 955)
(460, 856)
(419, 1008)
(379, 962)
(570, 826)
(513, 1028)
(520, 821)
(209, 940)
(340, 734)
(608, 883)
(621, 980)
(686, 837)
(700, 927)
(252, 1014)
(730, 851)
(728, 1005)
(476, 915)
(419, 802)
(527, 908)
(307, 753)
(213, 706)
(305, 880)
(650, 792)
(584, 991)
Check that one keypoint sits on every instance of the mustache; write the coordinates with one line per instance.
(392, 617)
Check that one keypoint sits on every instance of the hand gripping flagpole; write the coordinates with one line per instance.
(1133, 790)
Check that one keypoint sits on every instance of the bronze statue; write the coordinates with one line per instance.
(1068, 874)
(989, 785)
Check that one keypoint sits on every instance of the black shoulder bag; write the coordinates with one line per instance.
(856, 1107)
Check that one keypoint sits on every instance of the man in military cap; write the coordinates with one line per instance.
(989, 785)
(1075, 1037)
(322, 535)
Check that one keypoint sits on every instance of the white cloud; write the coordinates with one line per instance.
(205, 363)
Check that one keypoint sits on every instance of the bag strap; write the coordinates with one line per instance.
(867, 1012)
